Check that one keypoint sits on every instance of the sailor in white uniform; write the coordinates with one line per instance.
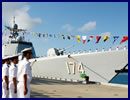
(13, 76)
(24, 75)
(5, 75)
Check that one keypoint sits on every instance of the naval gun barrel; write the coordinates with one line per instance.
(60, 51)
(57, 52)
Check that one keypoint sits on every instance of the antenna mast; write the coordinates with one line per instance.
(14, 20)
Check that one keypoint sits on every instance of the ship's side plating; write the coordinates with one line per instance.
(100, 66)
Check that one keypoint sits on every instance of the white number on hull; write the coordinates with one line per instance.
(74, 67)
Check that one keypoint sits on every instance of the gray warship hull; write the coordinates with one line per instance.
(99, 66)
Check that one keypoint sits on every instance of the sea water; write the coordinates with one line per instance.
(121, 78)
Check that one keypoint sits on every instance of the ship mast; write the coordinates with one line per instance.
(14, 30)
(13, 20)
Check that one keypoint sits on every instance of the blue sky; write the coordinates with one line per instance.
(86, 18)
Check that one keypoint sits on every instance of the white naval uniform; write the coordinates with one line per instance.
(5, 72)
(12, 74)
(23, 68)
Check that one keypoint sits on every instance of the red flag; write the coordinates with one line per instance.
(98, 38)
(125, 38)
(72, 36)
(90, 38)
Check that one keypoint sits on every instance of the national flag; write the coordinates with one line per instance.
(115, 38)
(50, 35)
(47, 34)
(98, 38)
(63, 36)
(78, 38)
(125, 38)
(43, 34)
(68, 37)
(39, 35)
(90, 38)
(58, 35)
(105, 38)
(72, 36)
(84, 39)
(34, 33)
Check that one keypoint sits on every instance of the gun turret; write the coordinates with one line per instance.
(62, 50)
(57, 52)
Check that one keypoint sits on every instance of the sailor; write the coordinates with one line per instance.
(83, 75)
(24, 75)
(13, 76)
(5, 75)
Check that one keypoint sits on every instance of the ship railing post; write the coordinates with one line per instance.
(69, 53)
(117, 48)
(110, 49)
(125, 47)
(79, 52)
(73, 52)
(84, 51)
(90, 50)
(103, 49)
(96, 50)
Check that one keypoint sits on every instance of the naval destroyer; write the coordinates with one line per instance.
(100, 66)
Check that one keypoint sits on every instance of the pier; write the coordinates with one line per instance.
(47, 88)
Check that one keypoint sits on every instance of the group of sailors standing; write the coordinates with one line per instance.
(16, 75)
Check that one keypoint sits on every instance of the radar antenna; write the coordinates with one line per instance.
(14, 30)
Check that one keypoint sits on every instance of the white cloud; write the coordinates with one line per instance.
(67, 27)
(20, 11)
(91, 25)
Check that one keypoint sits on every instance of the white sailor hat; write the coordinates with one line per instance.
(6, 57)
(26, 50)
(13, 56)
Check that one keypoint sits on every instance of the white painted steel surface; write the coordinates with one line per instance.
(101, 66)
